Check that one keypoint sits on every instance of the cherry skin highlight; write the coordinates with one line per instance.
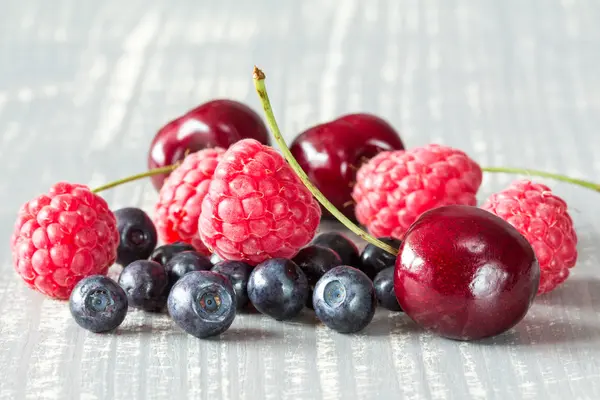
(331, 153)
(217, 123)
(465, 273)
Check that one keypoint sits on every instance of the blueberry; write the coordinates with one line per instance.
(137, 235)
(373, 259)
(215, 258)
(384, 289)
(202, 303)
(344, 299)
(98, 304)
(339, 243)
(238, 273)
(146, 284)
(164, 253)
(184, 262)
(278, 288)
(314, 261)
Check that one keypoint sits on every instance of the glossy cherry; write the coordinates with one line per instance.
(215, 123)
(331, 153)
(372, 124)
(465, 273)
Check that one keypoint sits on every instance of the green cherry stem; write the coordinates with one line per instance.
(152, 172)
(259, 84)
(543, 174)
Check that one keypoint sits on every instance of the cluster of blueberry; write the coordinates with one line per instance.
(202, 294)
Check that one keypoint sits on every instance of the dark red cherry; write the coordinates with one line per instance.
(465, 273)
(379, 127)
(216, 123)
(331, 153)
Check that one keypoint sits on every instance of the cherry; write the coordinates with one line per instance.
(331, 153)
(371, 123)
(465, 273)
(215, 123)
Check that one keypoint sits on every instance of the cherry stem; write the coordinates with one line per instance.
(259, 84)
(543, 174)
(152, 172)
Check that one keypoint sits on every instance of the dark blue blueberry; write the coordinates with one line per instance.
(202, 303)
(373, 259)
(314, 261)
(184, 262)
(146, 284)
(344, 299)
(215, 258)
(98, 304)
(238, 273)
(164, 253)
(137, 235)
(278, 288)
(339, 243)
(384, 289)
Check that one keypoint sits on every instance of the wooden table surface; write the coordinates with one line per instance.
(85, 85)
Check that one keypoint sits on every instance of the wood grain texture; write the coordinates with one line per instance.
(84, 86)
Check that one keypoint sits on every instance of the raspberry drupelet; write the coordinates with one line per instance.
(63, 236)
(395, 187)
(542, 218)
(180, 198)
(256, 207)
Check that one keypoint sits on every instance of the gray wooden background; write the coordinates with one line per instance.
(84, 85)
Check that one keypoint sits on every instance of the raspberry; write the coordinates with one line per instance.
(180, 198)
(63, 236)
(395, 187)
(257, 208)
(543, 219)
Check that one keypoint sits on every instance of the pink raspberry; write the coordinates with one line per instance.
(63, 236)
(180, 198)
(257, 207)
(395, 187)
(543, 219)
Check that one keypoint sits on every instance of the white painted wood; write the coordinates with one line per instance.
(84, 86)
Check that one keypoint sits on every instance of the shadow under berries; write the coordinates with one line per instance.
(246, 334)
(541, 332)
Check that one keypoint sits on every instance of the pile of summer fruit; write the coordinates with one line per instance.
(237, 225)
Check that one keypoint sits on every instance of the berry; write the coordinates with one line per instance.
(162, 254)
(330, 154)
(394, 188)
(98, 304)
(256, 207)
(344, 299)
(374, 260)
(184, 262)
(278, 288)
(238, 273)
(202, 303)
(339, 243)
(217, 123)
(137, 235)
(146, 285)
(180, 198)
(61, 237)
(314, 261)
(465, 273)
(384, 289)
(543, 219)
